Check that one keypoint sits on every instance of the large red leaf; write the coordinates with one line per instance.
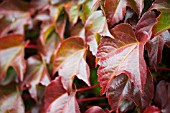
(70, 62)
(95, 24)
(163, 20)
(155, 47)
(123, 54)
(10, 99)
(36, 73)
(57, 100)
(95, 109)
(122, 88)
(162, 96)
(12, 54)
(115, 9)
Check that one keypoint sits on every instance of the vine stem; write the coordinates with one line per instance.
(31, 46)
(88, 88)
(90, 99)
(160, 68)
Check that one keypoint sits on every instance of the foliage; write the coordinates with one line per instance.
(92, 56)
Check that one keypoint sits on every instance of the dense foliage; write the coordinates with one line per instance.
(92, 56)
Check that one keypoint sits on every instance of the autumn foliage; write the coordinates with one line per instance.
(84, 56)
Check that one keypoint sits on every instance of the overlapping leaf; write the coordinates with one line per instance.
(95, 24)
(155, 47)
(36, 73)
(12, 20)
(10, 99)
(115, 9)
(12, 54)
(70, 62)
(152, 109)
(123, 54)
(122, 88)
(163, 20)
(95, 109)
(57, 100)
(145, 24)
(162, 96)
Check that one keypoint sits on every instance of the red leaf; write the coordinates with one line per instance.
(155, 47)
(57, 100)
(115, 9)
(152, 109)
(70, 62)
(10, 99)
(36, 73)
(95, 24)
(95, 109)
(122, 88)
(123, 54)
(162, 96)
(12, 54)
(146, 23)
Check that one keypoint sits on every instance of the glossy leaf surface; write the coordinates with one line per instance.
(70, 62)
(57, 100)
(121, 55)
(95, 24)
(122, 88)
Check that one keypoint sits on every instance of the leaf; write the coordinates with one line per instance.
(125, 105)
(78, 30)
(10, 99)
(95, 24)
(51, 42)
(123, 54)
(13, 22)
(155, 47)
(72, 10)
(95, 109)
(122, 88)
(162, 95)
(163, 20)
(152, 109)
(146, 23)
(70, 62)
(12, 54)
(36, 73)
(57, 100)
(115, 9)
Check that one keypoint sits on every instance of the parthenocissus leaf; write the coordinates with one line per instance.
(155, 47)
(10, 99)
(70, 62)
(12, 54)
(123, 54)
(152, 109)
(115, 9)
(95, 24)
(57, 100)
(162, 95)
(163, 20)
(122, 88)
(95, 109)
(36, 73)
